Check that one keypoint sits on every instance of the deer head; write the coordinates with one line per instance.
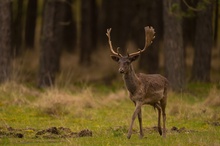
(125, 61)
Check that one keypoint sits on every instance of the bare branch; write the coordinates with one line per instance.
(190, 7)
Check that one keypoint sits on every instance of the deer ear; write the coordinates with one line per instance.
(134, 57)
(115, 58)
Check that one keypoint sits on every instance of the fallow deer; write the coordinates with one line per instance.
(143, 88)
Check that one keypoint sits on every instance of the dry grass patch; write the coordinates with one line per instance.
(12, 93)
(213, 98)
(101, 67)
(58, 102)
(181, 109)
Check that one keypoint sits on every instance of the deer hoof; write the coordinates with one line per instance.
(129, 136)
(164, 135)
(160, 131)
(141, 136)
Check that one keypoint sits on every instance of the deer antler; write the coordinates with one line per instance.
(108, 33)
(149, 36)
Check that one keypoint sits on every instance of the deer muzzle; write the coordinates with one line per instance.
(121, 70)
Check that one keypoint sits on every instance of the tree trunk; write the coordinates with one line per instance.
(5, 39)
(111, 12)
(51, 42)
(69, 27)
(188, 22)
(119, 15)
(173, 45)
(126, 18)
(87, 44)
(203, 44)
(17, 28)
(149, 13)
(216, 22)
(30, 23)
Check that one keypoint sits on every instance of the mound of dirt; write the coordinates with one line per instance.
(52, 132)
(10, 133)
(214, 123)
(84, 133)
(182, 130)
(62, 132)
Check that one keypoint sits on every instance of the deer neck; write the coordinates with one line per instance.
(131, 80)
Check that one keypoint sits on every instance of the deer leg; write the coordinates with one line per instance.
(140, 123)
(164, 123)
(163, 105)
(137, 110)
(159, 116)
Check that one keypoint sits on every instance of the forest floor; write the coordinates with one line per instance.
(79, 113)
(100, 115)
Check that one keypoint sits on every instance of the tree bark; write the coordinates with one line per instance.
(112, 14)
(173, 45)
(17, 29)
(189, 22)
(216, 22)
(51, 42)
(87, 44)
(203, 44)
(149, 14)
(5, 40)
(30, 23)
(69, 27)
(119, 15)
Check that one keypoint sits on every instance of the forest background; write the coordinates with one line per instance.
(41, 40)
(57, 77)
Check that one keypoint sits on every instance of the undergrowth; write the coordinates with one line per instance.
(94, 99)
(192, 118)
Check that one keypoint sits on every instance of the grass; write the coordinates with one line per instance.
(107, 113)
(103, 107)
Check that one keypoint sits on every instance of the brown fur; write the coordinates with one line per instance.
(143, 88)
(147, 89)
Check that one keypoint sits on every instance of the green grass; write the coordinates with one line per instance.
(107, 113)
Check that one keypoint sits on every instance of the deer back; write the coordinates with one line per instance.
(153, 86)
